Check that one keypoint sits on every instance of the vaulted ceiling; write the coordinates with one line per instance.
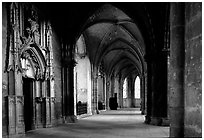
(117, 34)
(113, 38)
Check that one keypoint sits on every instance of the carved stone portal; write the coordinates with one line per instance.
(30, 71)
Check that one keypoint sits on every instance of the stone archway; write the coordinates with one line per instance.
(82, 80)
(111, 40)
(34, 89)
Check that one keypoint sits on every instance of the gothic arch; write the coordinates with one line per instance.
(37, 60)
(82, 79)
(107, 34)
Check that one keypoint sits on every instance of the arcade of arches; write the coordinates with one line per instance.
(63, 60)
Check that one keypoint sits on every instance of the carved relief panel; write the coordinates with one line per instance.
(30, 56)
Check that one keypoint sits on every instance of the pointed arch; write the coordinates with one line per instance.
(35, 56)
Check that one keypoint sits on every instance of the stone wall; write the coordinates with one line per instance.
(193, 70)
(127, 102)
(7, 87)
(82, 82)
(57, 75)
(4, 74)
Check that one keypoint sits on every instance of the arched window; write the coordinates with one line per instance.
(125, 88)
(137, 87)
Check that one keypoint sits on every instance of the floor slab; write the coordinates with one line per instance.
(122, 123)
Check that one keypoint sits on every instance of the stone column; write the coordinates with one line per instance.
(64, 81)
(68, 86)
(108, 91)
(116, 86)
(120, 93)
(159, 113)
(63, 93)
(130, 93)
(155, 95)
(166, 54)
(145, 92)
(95, 93)
(176, 70)
(142, 93)
(157, 88)
(100, 88)
(100, 91)
(70, 93)
(105, 92)
(112, 86)
(149, 91)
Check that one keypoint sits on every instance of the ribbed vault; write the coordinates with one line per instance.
(113, 38)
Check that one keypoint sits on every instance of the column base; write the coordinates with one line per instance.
(35, 126)
(159, 121)
(47, 125)
(165, 122)
(95, 112)
(147, 119)
(156, 121)
(69, 119)
(142, 112)
(176, 132)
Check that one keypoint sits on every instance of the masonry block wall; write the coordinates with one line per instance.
(4, 74)
(193, 70)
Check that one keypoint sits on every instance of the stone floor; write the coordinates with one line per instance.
(122, 123)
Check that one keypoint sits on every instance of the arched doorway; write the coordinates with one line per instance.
(28, 89)
(35, 89)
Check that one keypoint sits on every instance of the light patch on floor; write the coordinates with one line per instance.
(122, 123)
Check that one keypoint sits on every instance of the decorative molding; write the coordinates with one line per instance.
(11, 99)
(53, 99)
(13, 62)
(20, 99)
(25, 38)
(29, 51)
(38, 100)
(101, 69)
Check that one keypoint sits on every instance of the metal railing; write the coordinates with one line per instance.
(81, 108)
